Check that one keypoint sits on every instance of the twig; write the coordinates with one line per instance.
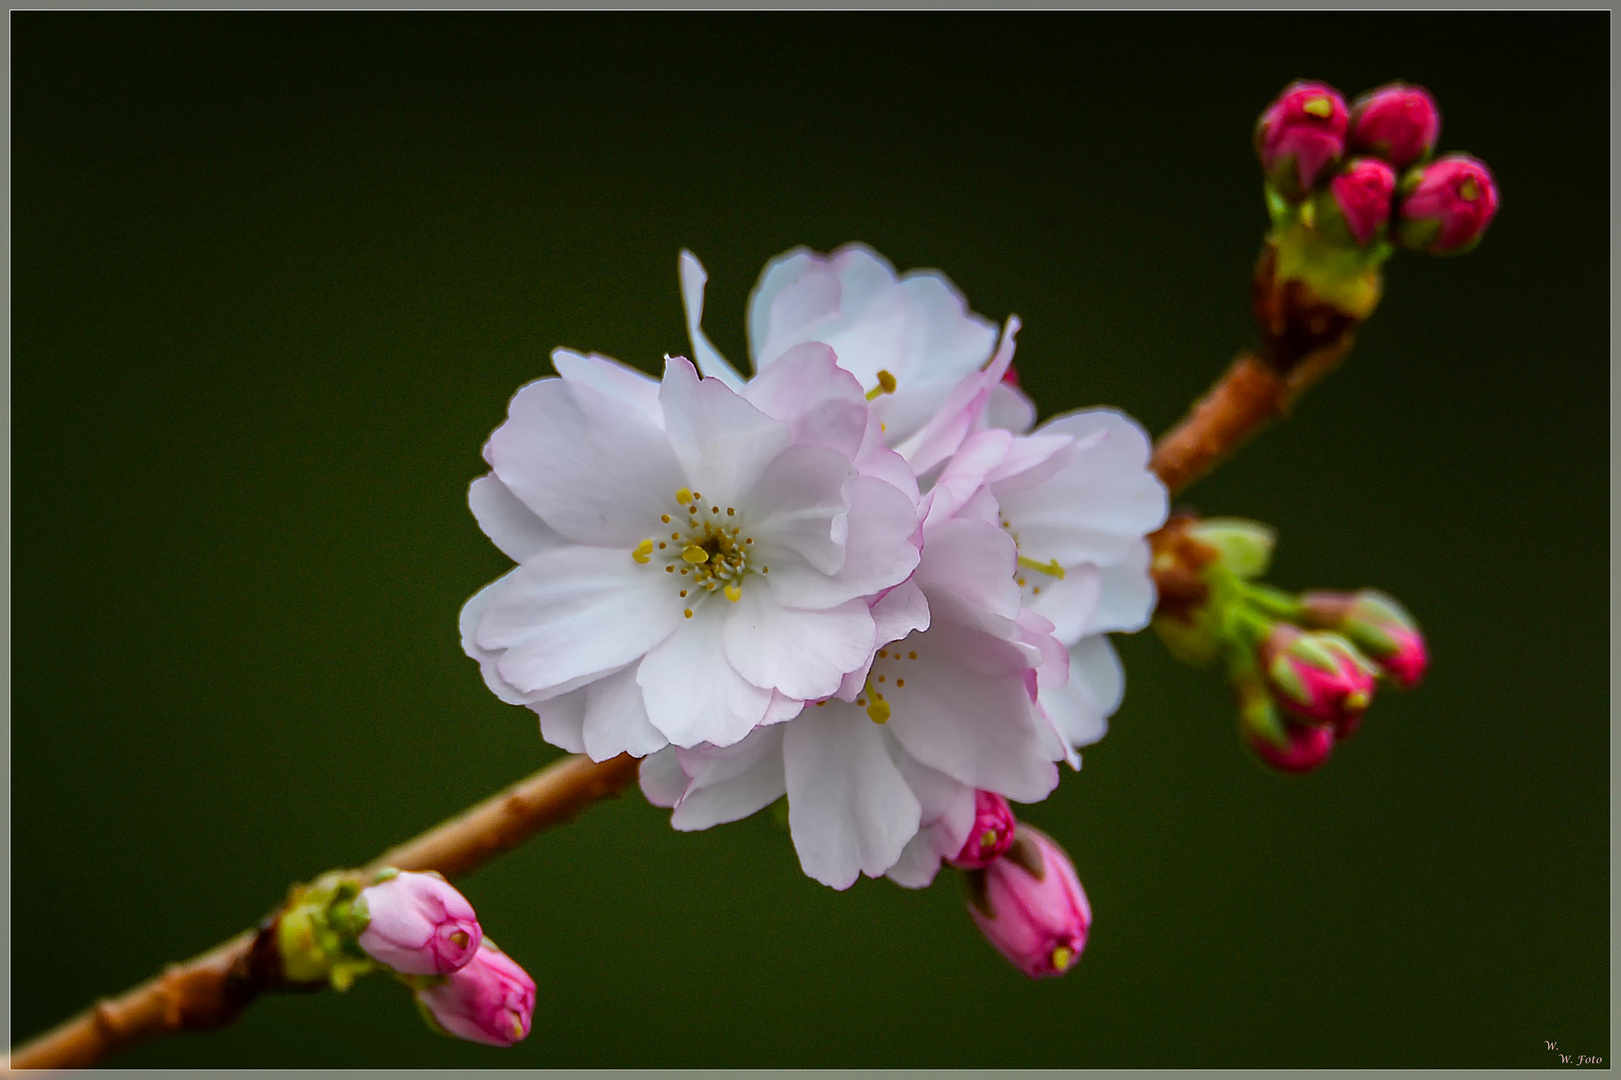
(212, 989)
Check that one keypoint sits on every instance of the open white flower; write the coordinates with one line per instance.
(693, 562)
(909, 339)
(881, 779)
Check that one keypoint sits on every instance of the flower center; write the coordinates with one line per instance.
(706, 551)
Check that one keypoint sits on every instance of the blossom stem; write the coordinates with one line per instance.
(211, 990)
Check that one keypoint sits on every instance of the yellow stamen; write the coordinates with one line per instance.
(1051, 569)
(987, 839)
(695, 555)
(886, 385)
(643, 552)
(1320, 107)
(1063, 956)
(687, 612)
(682, 495)
(878, 710)
(733, 593)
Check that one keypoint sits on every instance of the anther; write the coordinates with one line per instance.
(695, 554)
(682, 495)
(733, 593)
(886, 385)
(671, 569)
(1050, 568)
(643, 552)
(687, 613)
(911, 656)
(900, 683)
(731, 511)
(664, 518)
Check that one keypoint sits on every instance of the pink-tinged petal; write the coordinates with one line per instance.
(965, 711)
(662, 780)
(616, 720)
(901, 610)
(709, 359)
(731, 784)
(608, 376)
(947, 816)
(562, 721)
(849, 809)
(418, 924)
(782, 709)
(593, 468)
(1010, 408)
(877, 460)
(807, 389)
(693, 694)
(472, 614)
(974, 561)
(965, 474)
(513, 527)
(795, 651)
(1099, 504)
(800, 504)
(490, 1000)
(1080, 709)
(879, 551)
(580, 611)
(1027, 454)
(1070, 602)
(1036, 632)
(943, 434)
(722, 442)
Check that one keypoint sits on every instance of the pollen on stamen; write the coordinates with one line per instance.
(664, 518)
(671, 569)
(643, 552)
(662, 545)
(883, 654)
(911, 656)
(695, 554)
(731, 511)
(880, 678)
(687, 613)
(682, 495)
(733, 593)
(714, 509)
(683, 593)
(697, 496)
(900, 683)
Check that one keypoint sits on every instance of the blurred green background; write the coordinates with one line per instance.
(275, 278)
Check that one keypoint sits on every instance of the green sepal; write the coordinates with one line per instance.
(317, 929)
(1196, 643)
(1243, 547)
(1346, 277)
(1286, 678)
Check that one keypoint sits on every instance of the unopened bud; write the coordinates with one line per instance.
(1356, 207)
(1304, 748)
(991, 834)
(1378, 626)
(418, 924)
(1301, 136)
(1030, 905)
(490, 1000)
(1446, 205)
(1317, 675)
(1398, 122)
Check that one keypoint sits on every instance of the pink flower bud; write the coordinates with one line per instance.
(1030, 905)
(1398, 122)
(1446, 205)
(1362, 194)
(1300, 136)
(1378, 626)
(1317, 675)
(491, 1000)
(991, 835)
(418, 925)
(1308, 747)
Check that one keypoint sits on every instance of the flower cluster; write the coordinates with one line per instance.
(419, 927)
(859, 578)
(1336, 167)
(1304, 667)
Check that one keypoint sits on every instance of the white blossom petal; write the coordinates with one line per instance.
(692, 693)
(798, 652)
(661, 778)
(512, 526)
(608, 376)
(616, 720)
(879, 550)
(594, 470)
(849, 809)
(722, 442)
(578, 611)
(731, 784)
(709, 359)
(800, 505)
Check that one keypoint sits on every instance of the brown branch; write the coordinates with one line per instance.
(211, 990)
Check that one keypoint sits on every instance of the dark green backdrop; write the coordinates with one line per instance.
(276, 276)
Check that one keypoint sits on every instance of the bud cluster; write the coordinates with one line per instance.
(1304, 667)
(1023, 892)
(416, 925)
(1353, 175)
